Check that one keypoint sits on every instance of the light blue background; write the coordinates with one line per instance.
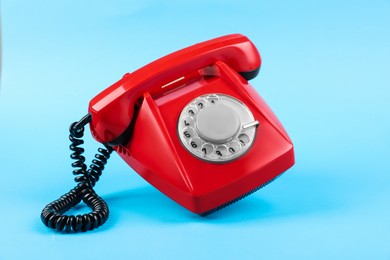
(325, 73)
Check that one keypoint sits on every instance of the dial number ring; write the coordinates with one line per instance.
(214, 110)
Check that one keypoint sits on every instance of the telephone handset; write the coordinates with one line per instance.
(170, 71)
(190, 124)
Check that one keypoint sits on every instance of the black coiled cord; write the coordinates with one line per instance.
(53, 214)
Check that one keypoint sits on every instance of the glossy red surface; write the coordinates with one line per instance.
(155, 151)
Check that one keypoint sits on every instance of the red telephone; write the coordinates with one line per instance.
(201, 133)
(192, 126)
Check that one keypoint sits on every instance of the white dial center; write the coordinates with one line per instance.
(217, 123)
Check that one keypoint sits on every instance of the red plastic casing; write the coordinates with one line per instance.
(161, 90)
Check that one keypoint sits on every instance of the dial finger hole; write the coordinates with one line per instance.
(234, 147)
(221, 150)
(196, 143)
(188, 121)
(207, 149)
(188, 132)
(200, 104)
(243, 139)
(191, 111)
(213, 99)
